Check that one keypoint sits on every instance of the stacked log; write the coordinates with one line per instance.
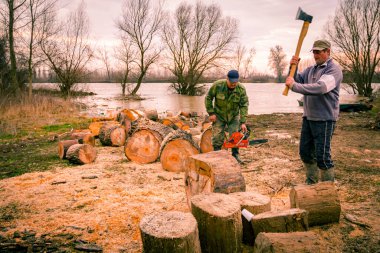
(205, 142)
(219, 222)
(143, 145)
(112, 135)
(175, 123)
(95, 126)
(175, 150)
(84, 137)
(215, 171)
(63, 146)
(320, 200)
(128, 119)
(170, 232)
(81, 154)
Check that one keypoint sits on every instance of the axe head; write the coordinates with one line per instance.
(301, 15)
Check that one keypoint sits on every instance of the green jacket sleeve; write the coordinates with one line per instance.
(209, 99)
(244, 107)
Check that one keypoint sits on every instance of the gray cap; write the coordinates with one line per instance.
(321, 44)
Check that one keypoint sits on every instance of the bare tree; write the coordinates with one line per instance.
(126, 55)
(242, 59)
(104, 57)
(355, 30)
(67, 49)
(197, 38)
(140, 23)
(277, 61)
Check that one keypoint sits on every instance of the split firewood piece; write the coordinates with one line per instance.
(215, 171)
(320, 200)
(255, 203)
(81, 154)
(175, 151)
(175, 123)
(143, 145)
(95, 126)
(295, 242)
(206, 140)
(290, 220)
(170, 232)
(112, 135)
(219, 222)
(63, 146)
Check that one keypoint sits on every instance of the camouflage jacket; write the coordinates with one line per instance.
(227, 104)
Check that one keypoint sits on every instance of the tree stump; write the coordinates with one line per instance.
(81, 154)
(206, 140)
(143, 145)
(170, 232)
(95, 126)
(175, 123)
(63, 146)
(281, 221)
(175, 151)
(112, 135)
(219, 222)
(320, 200)
(254, 203)
(295, 242)
(215, 171)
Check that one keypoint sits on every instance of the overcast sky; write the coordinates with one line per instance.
(262, 23)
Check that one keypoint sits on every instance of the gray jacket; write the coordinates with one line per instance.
(320, 86)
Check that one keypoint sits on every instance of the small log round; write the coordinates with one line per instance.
(320, 200)
(219, 222)
(81, 154)
(206, 140)
(175, 123)
(84, 138)
(95, 126)
(170, 232)
(112, 135)
(175, 150)
(63, 146)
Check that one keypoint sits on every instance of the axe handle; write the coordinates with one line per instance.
(293, 68)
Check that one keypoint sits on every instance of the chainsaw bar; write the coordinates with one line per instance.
(257, 141)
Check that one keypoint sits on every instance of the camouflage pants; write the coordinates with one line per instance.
(218, 135)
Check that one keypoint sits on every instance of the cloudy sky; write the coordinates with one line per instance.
(262, 23)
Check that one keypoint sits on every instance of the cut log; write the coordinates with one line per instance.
(215, 171)
(194, 131)
(112, 135)
(206, 125)
(95, 126)
(151, 114)
(170, 232)
(81, 154)
(84, 137)
(290, 220)
(63, 146)
(254, 203)
(219, 222)
(175, 151)
(206, 140)
(320, 200)
(175, 123)
(143, 145)
(295, 242)
(77, 134)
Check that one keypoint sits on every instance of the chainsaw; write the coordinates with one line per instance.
(240, 140)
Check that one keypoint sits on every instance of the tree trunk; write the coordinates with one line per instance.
(215, 171)
(175, 151)
(219, 222)
(112, 135)
(81, 154)
(170, 232)
(206, 140)
(63, 146)
(320, 200)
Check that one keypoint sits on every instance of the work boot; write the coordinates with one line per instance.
(312, 173)
(235, 153)
(327, 175)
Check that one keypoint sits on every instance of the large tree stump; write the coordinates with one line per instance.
(206, 140)
(95, 126)
(112, 135)
(295, 242)
(81, 154)
(254, 203)
(143, 145)
(320, 200)
(170, 232)
(281, 221)
(63, 146)
(175, 150)
(215, 171)
(219, 222)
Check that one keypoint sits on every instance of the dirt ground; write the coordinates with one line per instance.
(99, 206)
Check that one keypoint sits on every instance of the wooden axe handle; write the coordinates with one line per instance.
(293, 68)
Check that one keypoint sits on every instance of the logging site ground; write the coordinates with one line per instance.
(49, 205)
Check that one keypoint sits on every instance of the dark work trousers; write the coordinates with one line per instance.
(218, 136)
(315, 144)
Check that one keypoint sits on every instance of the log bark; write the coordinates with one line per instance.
(170, 232)
(320, 200)
(255, 203)
(81, 154)
(206, 140)
(215, 171)
(112, 135)
(219, 222)
(143, 145)
(295, 242)
(175, 151)
(175, 123)
(63, 146)
(95, 126)
(291, 220)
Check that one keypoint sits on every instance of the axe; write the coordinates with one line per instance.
(301, 15)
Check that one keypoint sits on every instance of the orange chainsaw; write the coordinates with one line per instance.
(240, 140)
